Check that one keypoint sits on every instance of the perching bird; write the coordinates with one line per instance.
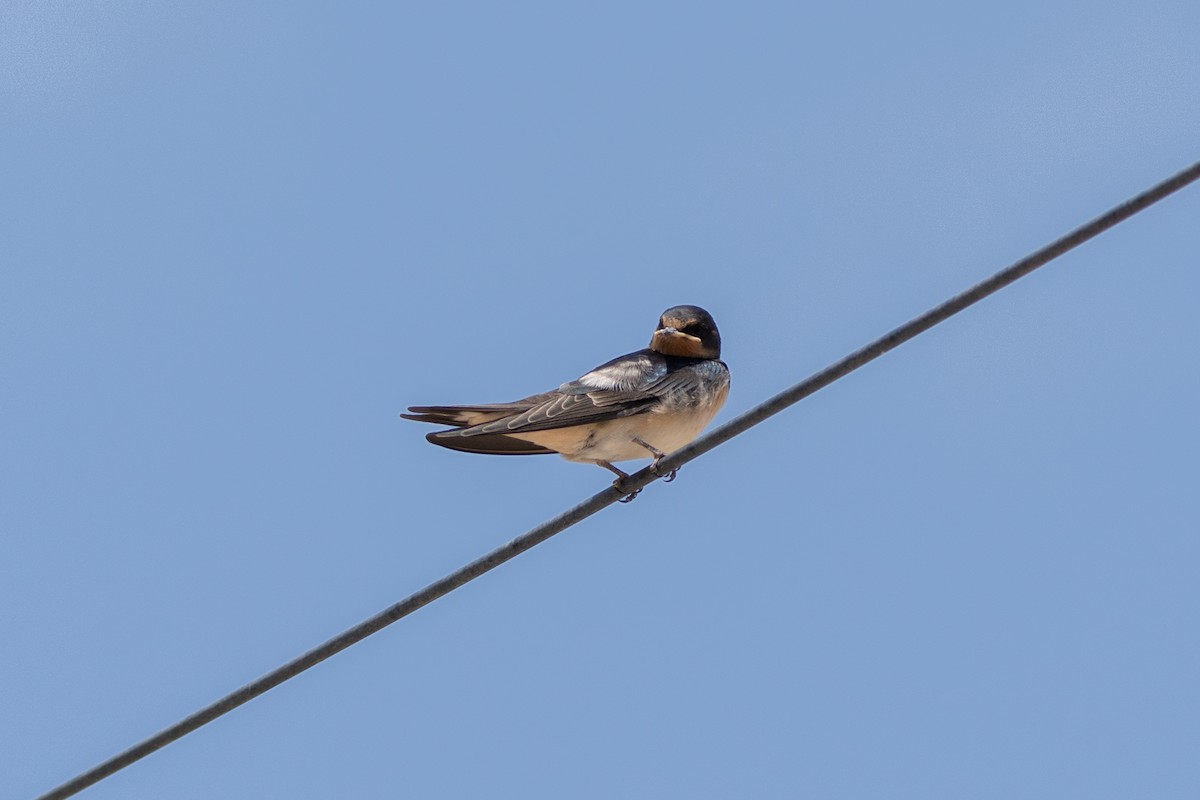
(644, 404)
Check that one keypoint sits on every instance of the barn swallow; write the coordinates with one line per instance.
(640, 405)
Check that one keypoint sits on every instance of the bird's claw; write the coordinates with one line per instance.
(670, 476)
(629, 496)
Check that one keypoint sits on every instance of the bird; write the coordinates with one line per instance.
(643, 404)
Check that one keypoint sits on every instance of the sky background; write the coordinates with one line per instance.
(239, 238)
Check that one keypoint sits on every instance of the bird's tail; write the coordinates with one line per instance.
(462, 417)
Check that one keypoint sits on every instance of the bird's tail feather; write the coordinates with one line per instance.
(488, 444)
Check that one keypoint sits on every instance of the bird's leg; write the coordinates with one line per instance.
(621, 475)
(659, 455)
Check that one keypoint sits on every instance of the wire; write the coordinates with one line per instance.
(635, 482)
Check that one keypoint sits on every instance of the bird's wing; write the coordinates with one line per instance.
(623, 387)
(628, 372)
(466, 416)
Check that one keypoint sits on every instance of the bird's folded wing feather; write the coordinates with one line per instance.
(466, 416)
(581, 402)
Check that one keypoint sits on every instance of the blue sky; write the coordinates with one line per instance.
(238, 239)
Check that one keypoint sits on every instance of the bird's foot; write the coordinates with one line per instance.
(618, 484)
(629, 496)
(659, 455)
(670, 476)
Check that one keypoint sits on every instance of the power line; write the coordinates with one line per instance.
(635, 482)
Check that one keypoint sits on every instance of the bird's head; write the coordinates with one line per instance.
(687, 331)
